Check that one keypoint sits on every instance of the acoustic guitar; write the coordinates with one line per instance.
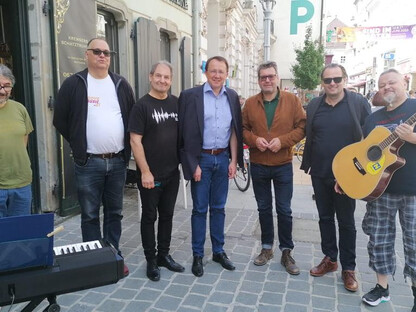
(364, 169)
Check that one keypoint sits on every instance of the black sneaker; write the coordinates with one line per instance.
(377, 295)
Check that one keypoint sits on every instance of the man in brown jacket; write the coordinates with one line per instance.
(273, 121)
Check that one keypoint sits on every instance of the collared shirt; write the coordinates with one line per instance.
(270, 108)
(217, 119)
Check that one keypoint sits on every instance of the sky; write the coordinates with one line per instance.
(344, 10)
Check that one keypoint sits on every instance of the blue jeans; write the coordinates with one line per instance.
(329, 204)
(101, 181)
(16, 202)
(211, 191)
(282, 179)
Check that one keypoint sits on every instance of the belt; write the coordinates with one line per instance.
(107, 155)
(213, 151)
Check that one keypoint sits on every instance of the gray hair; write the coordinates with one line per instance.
(266, 65)
(155, 65)
(7, 73)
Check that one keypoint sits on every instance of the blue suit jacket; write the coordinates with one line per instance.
(191, 127)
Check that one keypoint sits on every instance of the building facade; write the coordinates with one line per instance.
(44, 42)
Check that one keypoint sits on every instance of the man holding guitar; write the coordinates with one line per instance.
(379, 221)
(333, 121)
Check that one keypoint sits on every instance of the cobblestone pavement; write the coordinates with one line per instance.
(249, 288)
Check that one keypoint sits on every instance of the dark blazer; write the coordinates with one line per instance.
(191, 127)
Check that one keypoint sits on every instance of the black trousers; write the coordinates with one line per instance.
(330, 203)
(159, 200)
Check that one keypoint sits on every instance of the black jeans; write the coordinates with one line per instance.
(330, 203)
(160, 199)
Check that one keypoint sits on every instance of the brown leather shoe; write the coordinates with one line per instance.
(289, 263)
(324, 267)
(264, 256)
(350, 282)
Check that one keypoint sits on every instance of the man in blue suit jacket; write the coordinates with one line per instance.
(210, 134)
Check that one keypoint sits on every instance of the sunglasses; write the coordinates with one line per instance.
(98, 52)
(329, 80)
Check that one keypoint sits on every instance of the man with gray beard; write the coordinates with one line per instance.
(379, 222)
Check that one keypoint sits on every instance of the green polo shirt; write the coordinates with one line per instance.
(270, 108)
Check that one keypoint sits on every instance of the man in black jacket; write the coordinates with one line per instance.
(333, 121)
(92, 112)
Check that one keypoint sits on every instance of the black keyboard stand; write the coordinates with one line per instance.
(52, 307)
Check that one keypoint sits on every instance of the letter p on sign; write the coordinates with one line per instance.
(301, 11)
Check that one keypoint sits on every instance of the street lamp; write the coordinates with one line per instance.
(267, 12)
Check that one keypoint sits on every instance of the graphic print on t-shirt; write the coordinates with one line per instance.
(162, 116)
(94, 100)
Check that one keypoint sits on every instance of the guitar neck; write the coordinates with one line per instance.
(393, 137)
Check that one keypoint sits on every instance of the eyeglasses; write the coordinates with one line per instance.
(270, 77)
(329, 80)
(98, 52)
(6, 88)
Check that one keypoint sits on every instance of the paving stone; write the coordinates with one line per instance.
(221, 297)
(167, 303)
(295, 308)
(298, 297)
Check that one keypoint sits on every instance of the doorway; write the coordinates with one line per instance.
(15, 53)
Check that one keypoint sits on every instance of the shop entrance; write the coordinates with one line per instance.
(15, 53)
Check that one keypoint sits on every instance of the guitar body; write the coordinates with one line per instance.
(363, 169)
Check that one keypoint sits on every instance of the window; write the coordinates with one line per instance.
(107, 29)
(343, 59)
(165, 46)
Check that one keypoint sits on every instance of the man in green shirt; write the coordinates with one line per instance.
(15, 170)
(273, 121)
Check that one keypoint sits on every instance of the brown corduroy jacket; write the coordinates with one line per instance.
(288, 125)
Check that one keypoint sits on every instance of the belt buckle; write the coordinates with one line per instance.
(213, 151)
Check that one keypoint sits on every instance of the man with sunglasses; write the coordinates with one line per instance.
(273, 121)
(334, 120)
(92, 112)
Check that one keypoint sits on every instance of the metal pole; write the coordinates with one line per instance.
(267, 11)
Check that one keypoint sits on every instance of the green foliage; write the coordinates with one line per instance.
(309, 63)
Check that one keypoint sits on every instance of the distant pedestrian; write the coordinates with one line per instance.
(273, 121)
(153, 128)
(210, 145)
(333, 121)
(15, 170)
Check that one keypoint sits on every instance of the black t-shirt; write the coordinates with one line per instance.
(157, 121)
(333, 129)
(404, 179)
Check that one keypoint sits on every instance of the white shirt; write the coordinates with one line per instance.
(105, 128)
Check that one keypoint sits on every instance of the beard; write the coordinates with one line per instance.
(389, 98)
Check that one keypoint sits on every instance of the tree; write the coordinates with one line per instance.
(309, 63)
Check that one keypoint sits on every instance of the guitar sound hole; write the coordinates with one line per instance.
(374, 153)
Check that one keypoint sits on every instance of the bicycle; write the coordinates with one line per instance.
(297, 149)
(243, 175)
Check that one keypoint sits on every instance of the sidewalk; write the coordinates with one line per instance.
(247, 289)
